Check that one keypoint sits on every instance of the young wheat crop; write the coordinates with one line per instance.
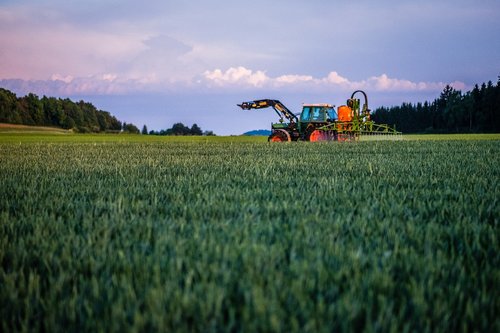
(242, 236)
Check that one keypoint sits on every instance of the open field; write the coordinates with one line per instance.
(24, 129)
(23, 133)
(136, 233)
(453, 137)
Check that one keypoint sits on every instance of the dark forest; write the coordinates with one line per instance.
(476, 111)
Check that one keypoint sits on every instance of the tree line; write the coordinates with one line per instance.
(50, 111)
(80, 116)
(178, 129)
(475, 111)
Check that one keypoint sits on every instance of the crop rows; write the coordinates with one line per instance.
(224, 237)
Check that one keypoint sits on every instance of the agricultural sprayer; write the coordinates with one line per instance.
(322, 122)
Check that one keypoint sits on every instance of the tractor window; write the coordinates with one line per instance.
(332, 115)
(318, 114)
(306, 113)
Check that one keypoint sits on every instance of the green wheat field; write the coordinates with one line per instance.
(122, 233)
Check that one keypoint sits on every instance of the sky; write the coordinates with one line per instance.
(156, 63)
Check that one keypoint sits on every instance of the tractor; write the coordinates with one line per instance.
(322, 122)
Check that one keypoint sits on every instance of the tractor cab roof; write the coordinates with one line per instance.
(319, 104)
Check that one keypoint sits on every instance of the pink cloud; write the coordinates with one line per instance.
(246, 77)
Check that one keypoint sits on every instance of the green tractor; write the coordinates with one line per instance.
(322, 122)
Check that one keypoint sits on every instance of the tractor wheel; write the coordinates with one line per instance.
(279, 135)
(318, 135)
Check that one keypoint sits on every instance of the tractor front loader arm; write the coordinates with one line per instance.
(280, 109)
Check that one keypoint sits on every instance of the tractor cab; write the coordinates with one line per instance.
(318, 113)
(315, 115)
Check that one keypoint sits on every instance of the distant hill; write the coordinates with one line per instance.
(261, 132)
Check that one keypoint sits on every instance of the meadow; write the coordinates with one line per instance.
(111, 233)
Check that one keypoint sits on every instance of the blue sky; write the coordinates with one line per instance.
(160, 62)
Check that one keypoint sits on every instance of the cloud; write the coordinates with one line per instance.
(243, 77)
(335, 78)
(40, 42)
(163, 58)
(59, 85)
(34, 54)
(232, 79)
(236, 75)
(385, 83)
(59, 77)
(166, 45)
(293, 78)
